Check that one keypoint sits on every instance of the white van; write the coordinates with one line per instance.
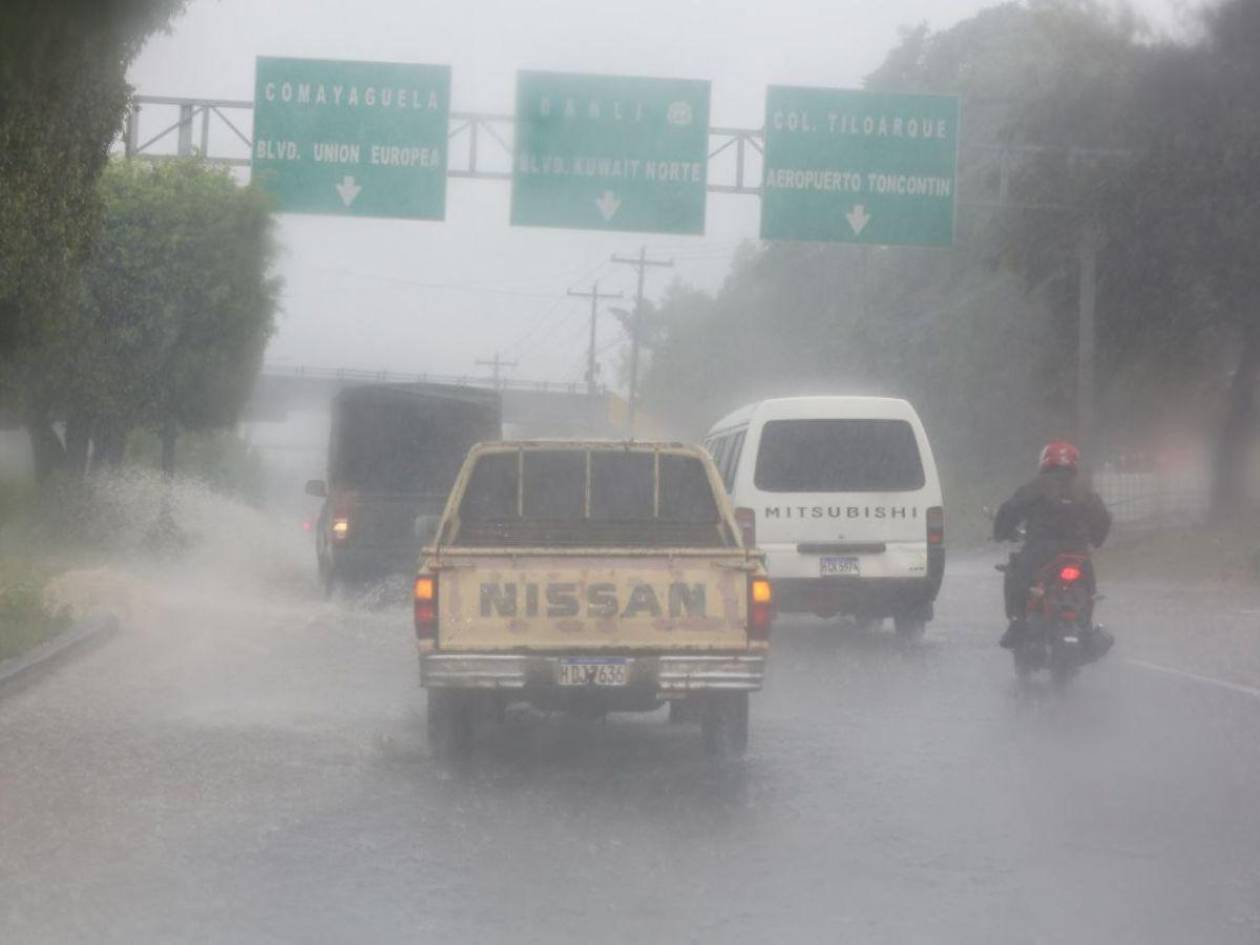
(843, 496)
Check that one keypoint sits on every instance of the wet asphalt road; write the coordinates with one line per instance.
(254, 771)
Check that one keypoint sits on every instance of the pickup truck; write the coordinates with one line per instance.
(590, 577)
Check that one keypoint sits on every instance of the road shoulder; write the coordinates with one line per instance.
(79, 637)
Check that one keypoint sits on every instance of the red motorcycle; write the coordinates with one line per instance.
(1060, 634)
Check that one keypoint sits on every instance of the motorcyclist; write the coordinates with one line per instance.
(1060, 513)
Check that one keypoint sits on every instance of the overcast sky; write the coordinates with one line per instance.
(435, 297)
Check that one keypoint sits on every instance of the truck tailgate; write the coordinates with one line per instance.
(540, 601)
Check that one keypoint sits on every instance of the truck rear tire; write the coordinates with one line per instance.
(910, 626)
(450, 723)
(724, 724)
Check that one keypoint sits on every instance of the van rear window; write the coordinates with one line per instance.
(838, 456)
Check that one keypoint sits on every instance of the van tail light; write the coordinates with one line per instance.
(936, 525)
(340, 528)
(1069, 574)
(426, 606)
(746, 519)
(760, 608)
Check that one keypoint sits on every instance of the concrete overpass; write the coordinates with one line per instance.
(530, 408)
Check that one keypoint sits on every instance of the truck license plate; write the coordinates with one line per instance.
(593, 672)
(829, 567)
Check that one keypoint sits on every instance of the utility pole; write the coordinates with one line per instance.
(1091, 238)
(636, 331)
(595, 296)
(495, 364)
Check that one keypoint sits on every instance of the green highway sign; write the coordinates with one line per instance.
(859, 167)
(610, 152)
(364, 139)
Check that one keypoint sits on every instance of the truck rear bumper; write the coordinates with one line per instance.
(667, 675)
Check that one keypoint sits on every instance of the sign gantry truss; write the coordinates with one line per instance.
(220, 130)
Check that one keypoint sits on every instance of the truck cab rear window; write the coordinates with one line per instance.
(838, 456)
(590, 497)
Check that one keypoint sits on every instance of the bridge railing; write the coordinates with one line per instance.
(363, 375)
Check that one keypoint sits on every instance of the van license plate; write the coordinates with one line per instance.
(593, 672)
(830, 567)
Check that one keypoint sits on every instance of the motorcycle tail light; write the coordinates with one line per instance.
(1069, 573)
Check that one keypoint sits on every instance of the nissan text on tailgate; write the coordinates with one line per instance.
(590, 577)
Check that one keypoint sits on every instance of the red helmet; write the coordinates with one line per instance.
(1059, 455)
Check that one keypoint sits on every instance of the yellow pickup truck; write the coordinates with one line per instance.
(590, 577)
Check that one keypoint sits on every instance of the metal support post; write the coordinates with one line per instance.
(183, 145)
(131, 130)
(636, 331)
(496, 364)
(595, 296)
(1091, 239)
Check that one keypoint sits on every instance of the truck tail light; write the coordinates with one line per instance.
(936, 525)
(426, 606)
(746, 519)
(760, 608)
(341, 513)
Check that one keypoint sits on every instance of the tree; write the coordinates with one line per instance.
(176, 308)
(953, 330)
(63, 93)
(1176, 194)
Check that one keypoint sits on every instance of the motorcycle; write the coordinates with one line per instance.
(1060, 634)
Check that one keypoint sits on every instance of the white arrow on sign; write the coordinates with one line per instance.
(348, 190)
(858, 218)
(608, 204)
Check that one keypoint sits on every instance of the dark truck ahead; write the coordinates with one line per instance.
(394, 452)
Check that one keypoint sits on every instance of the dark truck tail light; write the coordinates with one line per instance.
(426, 606)
(936, 525)
(760, 608)
(746, 519)
(342, 506)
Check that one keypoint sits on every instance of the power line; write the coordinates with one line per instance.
(444, 286)
(519, 346)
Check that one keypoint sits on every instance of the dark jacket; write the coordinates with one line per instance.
(1056, 508)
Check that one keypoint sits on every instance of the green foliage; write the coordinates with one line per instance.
(174, 310)
(178, 302)
(62, 74)
(15, 495)
(25, 621)
(951, 330)
(221, 459)
(1158, 144)
(1169, 178)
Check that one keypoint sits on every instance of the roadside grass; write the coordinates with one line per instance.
(1217, 552)
(25, 619)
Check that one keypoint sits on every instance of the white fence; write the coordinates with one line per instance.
(1152, 500)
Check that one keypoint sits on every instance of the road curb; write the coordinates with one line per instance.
(78, 638)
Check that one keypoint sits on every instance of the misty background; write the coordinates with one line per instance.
(438, 296)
